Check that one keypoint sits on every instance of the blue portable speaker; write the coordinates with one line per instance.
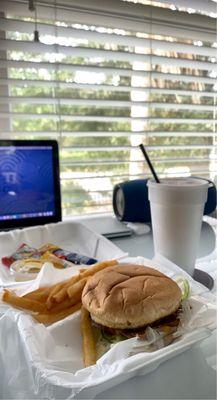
(131, 204)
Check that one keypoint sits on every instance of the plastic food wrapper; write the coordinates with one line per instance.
(23, 252)
(49, 362)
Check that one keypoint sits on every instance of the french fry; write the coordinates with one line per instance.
(21, 302)
(51, 318)
(57, 307)
(40, 294)
(98, 267)
(89, 345)
(57, 262)
(75, 291)
(61, 295)
(53, 290)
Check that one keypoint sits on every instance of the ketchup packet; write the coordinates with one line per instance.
(23, 252)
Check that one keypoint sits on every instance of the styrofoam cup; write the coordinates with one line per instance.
(176, 210)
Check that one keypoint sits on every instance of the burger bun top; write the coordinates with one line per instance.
(129, 296)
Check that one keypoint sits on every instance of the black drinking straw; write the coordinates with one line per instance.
(149, 163)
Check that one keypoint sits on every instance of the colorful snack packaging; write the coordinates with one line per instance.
(45, 253)
(75, 258)
(67, 255)
(24, 251)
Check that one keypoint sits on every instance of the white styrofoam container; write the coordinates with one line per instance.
(46, 362)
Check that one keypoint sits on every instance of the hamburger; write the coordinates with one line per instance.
(124, 300)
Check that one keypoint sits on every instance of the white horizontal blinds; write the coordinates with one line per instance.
(103, 79)
(207, 7)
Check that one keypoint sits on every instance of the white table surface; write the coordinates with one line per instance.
(192, 374)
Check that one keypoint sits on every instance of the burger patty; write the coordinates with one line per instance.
(171, 321)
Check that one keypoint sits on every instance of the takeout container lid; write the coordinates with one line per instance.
(69, 235)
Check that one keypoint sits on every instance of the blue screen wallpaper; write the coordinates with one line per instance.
(26, 182)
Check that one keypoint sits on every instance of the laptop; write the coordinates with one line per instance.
(29, 183)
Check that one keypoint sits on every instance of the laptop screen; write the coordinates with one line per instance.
(29, 183)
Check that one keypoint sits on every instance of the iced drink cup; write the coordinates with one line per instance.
(176, 210)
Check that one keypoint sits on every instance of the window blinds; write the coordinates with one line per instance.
(104, 77)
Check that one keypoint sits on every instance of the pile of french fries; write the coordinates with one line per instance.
(51, 304)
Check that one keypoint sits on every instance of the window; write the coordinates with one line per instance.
(103, 79)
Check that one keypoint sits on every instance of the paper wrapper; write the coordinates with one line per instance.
(46, 362)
